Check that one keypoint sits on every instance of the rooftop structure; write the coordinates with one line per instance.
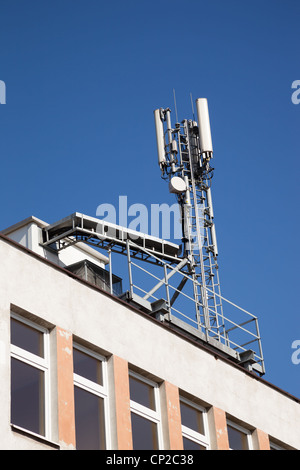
(154, 359)
(61, 323)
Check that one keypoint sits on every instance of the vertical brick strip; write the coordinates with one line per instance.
(260, 440)
(171, 417)
(122, 403)
(65, 389)
(218, 429)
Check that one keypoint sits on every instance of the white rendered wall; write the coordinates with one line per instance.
(115, 328)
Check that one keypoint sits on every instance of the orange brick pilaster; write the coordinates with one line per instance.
(122, 403)
(171, 417)
(65, 389)
(218, 429)
(260, 440)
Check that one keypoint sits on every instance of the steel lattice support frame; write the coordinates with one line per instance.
(197, 221)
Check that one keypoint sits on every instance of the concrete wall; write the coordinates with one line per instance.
(59, 300)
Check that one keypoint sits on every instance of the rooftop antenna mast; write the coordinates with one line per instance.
(181, 287)
(184, 157)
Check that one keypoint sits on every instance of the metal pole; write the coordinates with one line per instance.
(110, 271)
(129, 268)
(167, 292)
(160, 283)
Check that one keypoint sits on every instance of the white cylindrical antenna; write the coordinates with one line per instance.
(170, 139)
(169, 127)
(204, 125)
(209, 203)
(174, 148)
(160, 140)
(214, 239)
(187, 193)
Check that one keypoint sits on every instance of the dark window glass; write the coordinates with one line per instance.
(191, 418)
(87, 366)
(27, 338)
(141, 393)
(191, 445)
(144, 433)
(27, 397)
(237, 439)
(89, 421)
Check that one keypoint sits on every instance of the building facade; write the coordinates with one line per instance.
(82, 369)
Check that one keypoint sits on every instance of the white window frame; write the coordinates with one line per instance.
(274, 446)
(243, 430)
(96, 389)
(197, 437)
(41, 363)
(144, 411)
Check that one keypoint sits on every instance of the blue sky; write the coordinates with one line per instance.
(82, 80)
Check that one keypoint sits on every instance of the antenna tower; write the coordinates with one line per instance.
(181, 287)
(184, 155)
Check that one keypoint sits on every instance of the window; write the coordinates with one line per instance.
(29, 376)
(145, 413)
(194, 426)
(274, 446)
(91, 400)
(239, 437)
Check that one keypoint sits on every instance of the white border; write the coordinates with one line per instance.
(144, 411)
(41, 363)
(242, 430)
(96, 389)
(197, 437)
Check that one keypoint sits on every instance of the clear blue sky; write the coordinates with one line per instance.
(83, 78)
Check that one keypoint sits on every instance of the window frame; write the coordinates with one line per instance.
(38, 362)
(274, 446)
(188, 433)
(145, 412)
(243, 430)
(95, 389)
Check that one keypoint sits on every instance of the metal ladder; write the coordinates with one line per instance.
(198, 223)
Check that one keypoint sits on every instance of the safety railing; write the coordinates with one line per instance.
(239, 334)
